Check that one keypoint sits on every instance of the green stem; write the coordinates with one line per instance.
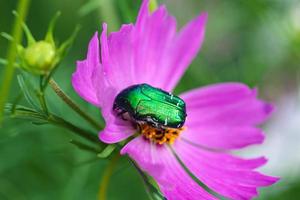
(106, 177)
(84, 146)
(41, 96)
(73, 105)
(63, 123)
(22, 9)
(23, 112)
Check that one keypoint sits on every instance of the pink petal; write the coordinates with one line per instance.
(155, 35)
(226, 175)
(116, 130)
(185, 48)
(223, 137)
(161, 164)
(117, 57)
(82, 78)
(230, 104)
(151, 51)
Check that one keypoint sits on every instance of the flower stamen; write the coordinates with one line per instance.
(159, 135)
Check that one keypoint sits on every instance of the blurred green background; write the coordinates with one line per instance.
(256, 42)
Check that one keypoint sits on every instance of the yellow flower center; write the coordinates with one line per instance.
(160, 136)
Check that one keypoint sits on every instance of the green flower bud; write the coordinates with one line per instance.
(43, 56)
(40, 57)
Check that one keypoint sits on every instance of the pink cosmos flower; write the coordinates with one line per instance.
(220, 117)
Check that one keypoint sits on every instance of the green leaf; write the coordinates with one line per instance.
(84, 146)
(39, 123)
(29, 36)
(16, 101)
(11, 39)
(28, 93)
(64, 47)
(89, 7)
(107, 151)
(4, 62)
(23, 112)
(7, 36)
(49, 35)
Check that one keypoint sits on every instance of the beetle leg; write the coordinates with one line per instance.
(121, 113)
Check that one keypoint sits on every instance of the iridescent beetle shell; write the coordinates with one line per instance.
(146, 104)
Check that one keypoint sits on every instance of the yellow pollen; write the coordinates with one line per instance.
(160, 136)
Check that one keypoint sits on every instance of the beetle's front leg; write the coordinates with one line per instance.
(124, 115)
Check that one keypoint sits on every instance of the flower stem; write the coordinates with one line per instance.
(63, 123)
(41, 96)
(106, 177)
(22, 9)
(23, 112)
(73, 105)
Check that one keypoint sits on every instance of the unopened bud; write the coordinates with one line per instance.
(40, 57)
(43, 56)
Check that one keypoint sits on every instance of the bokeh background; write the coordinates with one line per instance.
(256, 42)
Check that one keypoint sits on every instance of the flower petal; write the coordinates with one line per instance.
(230, 104)
(116, 130)
(224, 137)
(161, 164)
(117, 57)
(82, 78)
(185, 47)
(155, 34)
(225, 174)
(151, 51)
(164, 54)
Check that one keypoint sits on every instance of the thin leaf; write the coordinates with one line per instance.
(22, 113)
(16, 101)
(39, 123)
(56, 120)
(83, 146)
(89, 7)
(33, 115)
(11, 39)
(4, 62)
(49, 35)
(29, 36)
(11, 107)
(7, 36)
(107, 151)
(64, 47)
(27, 92)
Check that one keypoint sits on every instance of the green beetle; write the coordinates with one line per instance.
(146, 104)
